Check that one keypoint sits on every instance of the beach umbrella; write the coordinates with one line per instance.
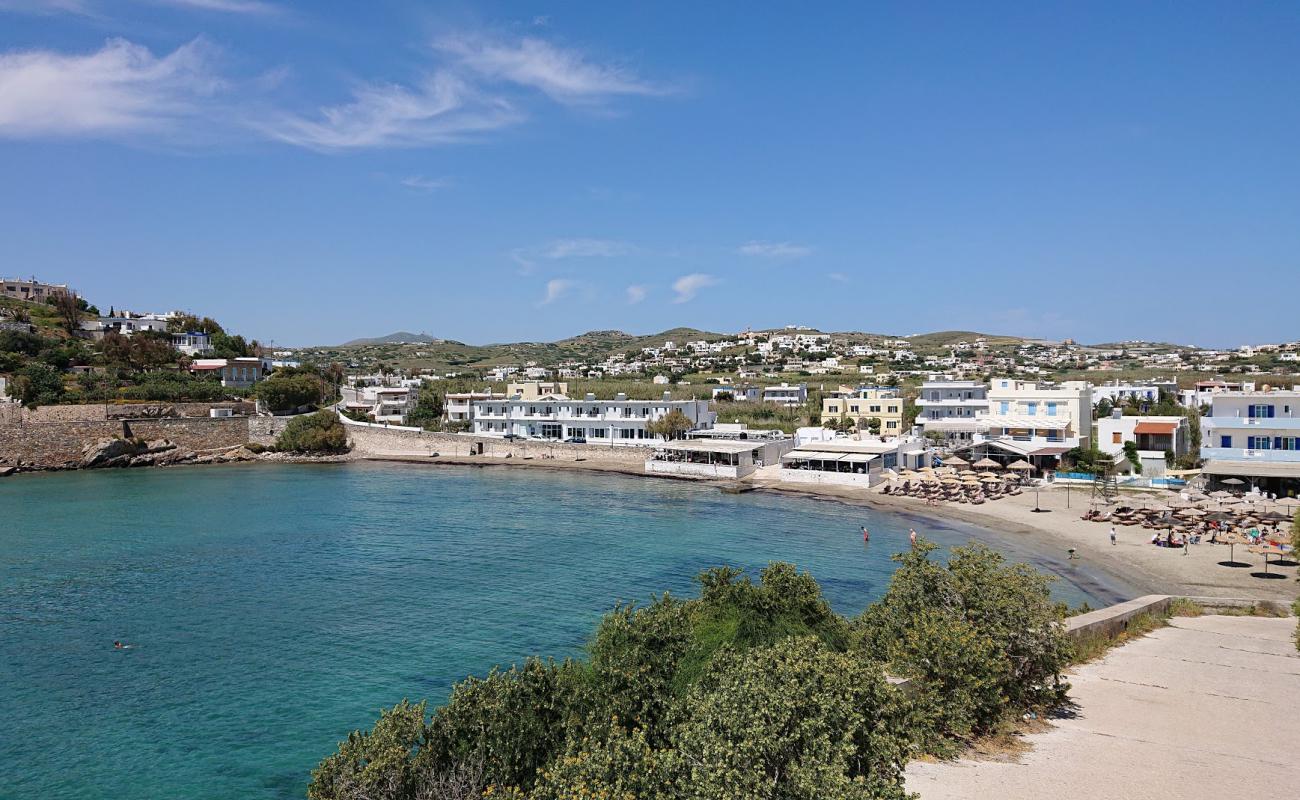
(986, 463)
(990, 479)
(956, 461)
(907, 473)
(1220, 494)
(1232, 540)
(1232, 481)
(1266, 552)
(1020, 464)
(1191, 512)
(950, 480)
(1289, 502)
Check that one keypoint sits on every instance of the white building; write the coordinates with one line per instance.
(123, 325)
(192, 343)
(1153, 436)
(789, 395)
(1202, 394)
(953, 408)
(1050, 415)
(743, 394)
(716, 458)
(555, 417)
(1254, 436)
(389, 404)
(459, 406)
(1118, 393)
(854, 462)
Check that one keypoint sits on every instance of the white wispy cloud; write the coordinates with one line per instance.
(556, 289)
(472, 85)
(560, 249)
(224, 6)
(584, 248)
(46, 6)
(443, 108)
(565, 75)
(121, 88)
(688, 286)
(636, 294)
(838, 277)
(420, 183)
(762, 249)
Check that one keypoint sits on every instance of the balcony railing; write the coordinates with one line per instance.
(1247, 454)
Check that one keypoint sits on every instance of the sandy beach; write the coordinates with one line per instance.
(1133, 559)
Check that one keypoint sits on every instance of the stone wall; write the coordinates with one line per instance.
(60, 444)
(265, 430)
(11, 413)
(373, 440)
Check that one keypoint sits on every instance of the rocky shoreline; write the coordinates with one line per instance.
(119, 453)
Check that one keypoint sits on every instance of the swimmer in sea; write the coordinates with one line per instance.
(866, 537)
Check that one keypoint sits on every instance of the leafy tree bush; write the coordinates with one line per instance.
(755, 689)
(672, 425)
(286, 391)
(313, 433)
(1131, 453)
(38, 384)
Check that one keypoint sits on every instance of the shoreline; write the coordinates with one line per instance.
(1132, 563)
(1132, 566)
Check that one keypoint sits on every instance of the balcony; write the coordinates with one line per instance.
(1246, 454)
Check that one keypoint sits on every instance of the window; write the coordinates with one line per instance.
(1051, 409)
(1117, 438)
(1031, 409)
(598, 433)
(1259, 443)
(627, 433)
(1225, 441)
(1003, 407)
(893, 423)
(1262, 410)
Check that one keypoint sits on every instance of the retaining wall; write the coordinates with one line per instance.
(374, 440)
(60, 444)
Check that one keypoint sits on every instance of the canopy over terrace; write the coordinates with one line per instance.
(699, 451)
(831, 457)
(1005, 451)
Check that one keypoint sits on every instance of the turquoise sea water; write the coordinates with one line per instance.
(272, 609)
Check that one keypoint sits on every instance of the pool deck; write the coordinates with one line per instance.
(1205, 708)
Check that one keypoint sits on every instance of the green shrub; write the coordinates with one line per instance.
(313, 433)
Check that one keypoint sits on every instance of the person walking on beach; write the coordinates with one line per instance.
(1187, 540)
(1112, 535)
(911, 535)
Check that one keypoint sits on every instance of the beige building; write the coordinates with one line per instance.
(33, 290)
(1048, 414)
(860, 405)
(531, 390)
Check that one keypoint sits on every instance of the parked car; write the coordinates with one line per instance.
(510, 437)
(576, 440)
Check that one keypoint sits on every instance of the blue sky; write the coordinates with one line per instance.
(312, 172)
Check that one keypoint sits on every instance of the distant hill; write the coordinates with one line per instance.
(401, 337)
(946, 338)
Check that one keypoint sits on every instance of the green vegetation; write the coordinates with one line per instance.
(1134, 460)
(313, 433)
(292, 389)
(672, 425)
(427, 413)
(750, 690)
(38, 384)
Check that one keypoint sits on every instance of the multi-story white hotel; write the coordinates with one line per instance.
(459, 406)
(1039, 413)
(1254, 436)
(789, 395)
(617, 421)
(952, 408)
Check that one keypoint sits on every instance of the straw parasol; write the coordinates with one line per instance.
(991, 479)
(1289, 502)
(1020, 464)
(907, 473)
(986, 463)
(1266, 551)
(956, 461)
(1190, 512)
(1232, 540)
(1219, 494)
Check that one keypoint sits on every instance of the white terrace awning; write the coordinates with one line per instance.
(822, 455)
(1015, 421)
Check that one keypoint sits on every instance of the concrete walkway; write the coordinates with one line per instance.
(1205, 708)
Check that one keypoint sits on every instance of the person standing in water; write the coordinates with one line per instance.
(866, 535)
(911, 535)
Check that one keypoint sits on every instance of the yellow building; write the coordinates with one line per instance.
(532, 390)
(860, 405)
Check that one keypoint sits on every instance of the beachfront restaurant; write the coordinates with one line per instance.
(848, 463)
(703, 458)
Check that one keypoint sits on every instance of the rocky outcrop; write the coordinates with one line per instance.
(131, 453)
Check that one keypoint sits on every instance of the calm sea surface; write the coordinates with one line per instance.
(272, 609)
